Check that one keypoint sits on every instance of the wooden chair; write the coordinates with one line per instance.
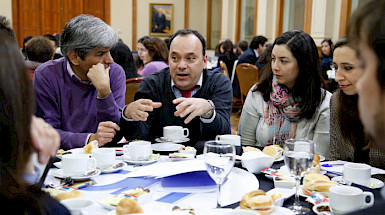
(247, 76)
(132, 86)
(224, 69)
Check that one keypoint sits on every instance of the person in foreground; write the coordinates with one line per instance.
(288, 102)
(82, 94)
(347, 138)
(367, 31)
(185, 94)
(22, 135)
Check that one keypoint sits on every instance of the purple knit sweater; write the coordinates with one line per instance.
(72, 107)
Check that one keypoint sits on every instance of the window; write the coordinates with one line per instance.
(247, 19)
(215, 25)
(293, 15)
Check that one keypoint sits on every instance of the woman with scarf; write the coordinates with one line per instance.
(289, 101)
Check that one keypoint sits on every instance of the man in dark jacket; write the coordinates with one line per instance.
(185, 94)
(257, 46)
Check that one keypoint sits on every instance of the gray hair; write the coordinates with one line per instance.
(84, 33)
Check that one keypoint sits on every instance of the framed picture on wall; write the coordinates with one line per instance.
(161, 19)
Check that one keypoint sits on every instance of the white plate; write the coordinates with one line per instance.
(166, 147)
(287, 193)
(279, 211)
(129, 161)
(165, 140)
(58, 173)
(111, 169)
(300, 192)
(315, 207)
(374, 183)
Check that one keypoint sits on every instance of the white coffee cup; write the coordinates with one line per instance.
(105, 157)
(234, 139)
(138, 150)
(77, 164)
(358, 173)
(345, 199)
(175, 133)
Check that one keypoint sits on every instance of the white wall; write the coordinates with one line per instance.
(6, 9)
(121, 19)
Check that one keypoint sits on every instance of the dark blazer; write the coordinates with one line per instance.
(157, 87)
(248, 57)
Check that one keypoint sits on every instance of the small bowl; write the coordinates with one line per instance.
(284, 182)
(255, 162)
(77, 205)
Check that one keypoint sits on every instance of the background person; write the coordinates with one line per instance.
(288, 102)
(39, 50)
(154, 55)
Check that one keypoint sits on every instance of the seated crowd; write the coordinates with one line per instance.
(80, 97)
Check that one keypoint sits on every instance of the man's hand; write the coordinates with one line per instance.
(45, 139)
(193, 106)
(105, 133)
(100, 78)
(138, 110)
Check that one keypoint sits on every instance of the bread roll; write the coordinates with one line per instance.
(257, 200)
(128, 206)
(274, 151)
(251, 149)
(69, 195)
(312, 176)
(318, 186)
(91, 145)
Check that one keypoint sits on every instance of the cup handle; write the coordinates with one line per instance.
(126, 150)
(185, 130)
(91, 165)
(218, 137)
(371, 202)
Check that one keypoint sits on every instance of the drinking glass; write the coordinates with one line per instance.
(298, 155)
(219, 159)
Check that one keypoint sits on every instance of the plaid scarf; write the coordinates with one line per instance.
(281, 115)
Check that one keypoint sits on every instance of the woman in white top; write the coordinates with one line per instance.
(288, 102)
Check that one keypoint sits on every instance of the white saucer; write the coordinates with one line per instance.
(113, 169)
(166, 147)
(58, 173)
(373, 183)
(279, 159)
(165, 140)
(129, 161)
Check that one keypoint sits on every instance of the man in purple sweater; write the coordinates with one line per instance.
(82, 94)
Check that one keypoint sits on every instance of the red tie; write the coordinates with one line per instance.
(187, 93)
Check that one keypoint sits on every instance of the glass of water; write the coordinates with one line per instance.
(298, 155)
(219, 159)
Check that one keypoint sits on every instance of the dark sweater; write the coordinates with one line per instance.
(157, 87)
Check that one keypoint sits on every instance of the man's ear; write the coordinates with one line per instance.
(73, 57)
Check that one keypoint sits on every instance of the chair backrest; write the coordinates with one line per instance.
(247, 76)
(132, 86)
(224, 69)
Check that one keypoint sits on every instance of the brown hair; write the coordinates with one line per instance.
(16, 109)
(368, 24)
(39, 49)
(157, 49)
